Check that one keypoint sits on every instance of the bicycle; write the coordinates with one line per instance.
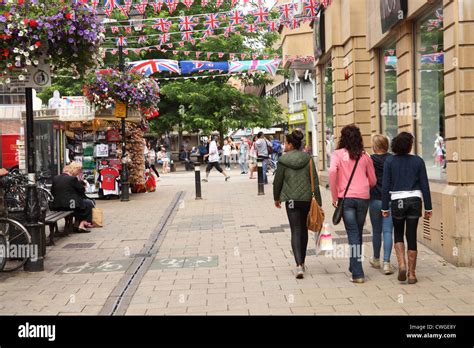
(15, 241)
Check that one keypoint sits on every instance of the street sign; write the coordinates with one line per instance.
(120, 109)
(36, 77)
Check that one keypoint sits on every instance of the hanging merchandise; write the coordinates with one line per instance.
(149, 67)
(269, 66)
(135, 149)
(191, 66)
(108, 179)
(101, 150)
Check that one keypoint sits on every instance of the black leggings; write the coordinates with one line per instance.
(405, 215)
(411, 227)
(297, 212)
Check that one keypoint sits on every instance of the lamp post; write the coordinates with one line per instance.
(125, 194)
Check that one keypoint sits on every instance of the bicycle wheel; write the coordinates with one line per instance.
(3, 251)
(17, 245)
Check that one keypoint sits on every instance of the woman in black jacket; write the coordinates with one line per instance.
(69, 194)
(405, 184)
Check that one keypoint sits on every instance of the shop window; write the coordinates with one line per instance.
(430, 144)
(388, 90)
(330, 142)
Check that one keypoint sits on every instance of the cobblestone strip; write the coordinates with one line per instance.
(120, 298)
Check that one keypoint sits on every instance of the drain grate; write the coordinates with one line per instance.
(141, 255)
(243, 226)
(78, 246)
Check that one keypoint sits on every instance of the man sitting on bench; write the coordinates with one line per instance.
(69, 194)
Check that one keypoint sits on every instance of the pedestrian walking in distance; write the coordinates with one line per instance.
(243, 156)
(213, 160)
(405, 184)
(262, 145)
(226, 150)
(292, 184)
(382, 227)
(348, 160)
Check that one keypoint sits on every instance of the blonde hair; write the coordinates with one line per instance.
(73, 168)
(380, 143)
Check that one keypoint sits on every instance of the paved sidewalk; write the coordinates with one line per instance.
(229, 253)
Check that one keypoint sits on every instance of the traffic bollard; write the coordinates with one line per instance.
(261, 186)
(197, 176)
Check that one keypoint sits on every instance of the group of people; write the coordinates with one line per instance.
(390, 186)
(247, 153)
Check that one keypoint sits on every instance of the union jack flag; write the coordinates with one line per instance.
(261, 15)
(243, 55)
(164, 38)
(111, 4)
(187, 23)
(141, 7)
(198, 54)
(128, 30)
(157, 5)
(187, 36)
(152, 66)
(310, 8)
(128, 4)
(142, 39)
(219, 3)
(229, 29)
(95, 3)
(121, 41)
(188, 3)
(251, 28)
(115, 30)
(273, 25)
(207, 33)
(171, 5)
(124, 10)
(204, 3)
(233, 2)
(236, 18)
(286, 10)
(294, 23)
(162, 24)
(212, 21)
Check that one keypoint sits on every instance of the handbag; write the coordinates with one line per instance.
(324, 240)
(97, 216)
(337, 216)
(315, 218)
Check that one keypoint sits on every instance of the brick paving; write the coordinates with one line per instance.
(227, 254)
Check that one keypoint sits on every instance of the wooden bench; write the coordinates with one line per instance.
(51, 220)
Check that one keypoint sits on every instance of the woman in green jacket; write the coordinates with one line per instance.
(292, 184)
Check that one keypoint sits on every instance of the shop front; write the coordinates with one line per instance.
(299, 119)
(408, 68)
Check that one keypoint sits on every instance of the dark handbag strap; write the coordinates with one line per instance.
(352, 175)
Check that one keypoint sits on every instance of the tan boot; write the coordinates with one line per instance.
(412, 255)
(402, 267)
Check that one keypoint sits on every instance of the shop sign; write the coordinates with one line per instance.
(297, 117)
(392, 12)
(120, 109)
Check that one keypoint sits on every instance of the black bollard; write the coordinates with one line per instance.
(197, 177)
(261, 186)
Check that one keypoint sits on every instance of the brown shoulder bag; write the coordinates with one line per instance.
(316, 213)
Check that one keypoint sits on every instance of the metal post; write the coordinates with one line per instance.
(261, 186)
(125, 194)
(197, 177)
(32, 206)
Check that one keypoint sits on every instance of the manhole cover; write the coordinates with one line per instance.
(78, 246)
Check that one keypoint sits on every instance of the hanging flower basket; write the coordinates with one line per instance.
(68, 35)
(140, 93)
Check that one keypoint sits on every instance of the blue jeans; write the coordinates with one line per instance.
(243, 163)
(264, 169)
(355, 212)
(381, 225)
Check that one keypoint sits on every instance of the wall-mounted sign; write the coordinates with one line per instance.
(294, 118)
(36, 77)
(392, 12)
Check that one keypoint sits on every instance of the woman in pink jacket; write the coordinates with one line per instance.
(350, 154)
